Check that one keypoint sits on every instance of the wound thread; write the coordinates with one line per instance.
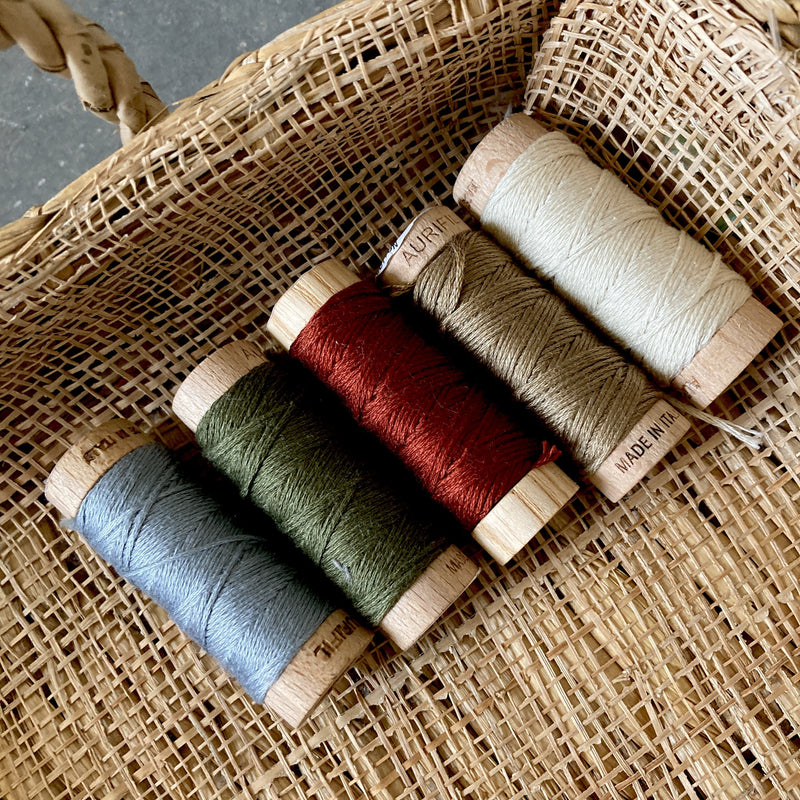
(653, 288)
(294, 457)
(464, 450)
(582, 389)
(219, 583)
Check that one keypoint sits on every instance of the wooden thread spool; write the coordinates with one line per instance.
(522, 512)
(659, 430)
(714, 367)
(433, 592)
(319, 663)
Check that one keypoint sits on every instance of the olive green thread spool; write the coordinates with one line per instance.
(210, 393)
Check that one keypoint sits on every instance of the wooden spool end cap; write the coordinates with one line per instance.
(746, 333)
(319, 663)
(211, 378)
(524, 511)
(426, 600)
(305, 297)
(419, 244)
(79, 469)
(490, 160)
(659, 430)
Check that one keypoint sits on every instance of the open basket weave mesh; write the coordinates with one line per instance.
(646, 649)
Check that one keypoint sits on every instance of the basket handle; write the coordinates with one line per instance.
(60, 41)
(781, 18)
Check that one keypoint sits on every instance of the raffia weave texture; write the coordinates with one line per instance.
(640, 650)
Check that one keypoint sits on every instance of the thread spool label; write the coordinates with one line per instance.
(468, 192)
(661, 428)
(332, 641)
(456, 562)
(98, 448)
(425, 235)
(653, 433)
(77, 471)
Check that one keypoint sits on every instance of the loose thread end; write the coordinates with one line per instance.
(748, 436)
(397, 289)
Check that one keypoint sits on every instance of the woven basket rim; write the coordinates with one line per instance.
(17, 235)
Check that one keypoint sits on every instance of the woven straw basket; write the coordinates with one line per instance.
(646, 649)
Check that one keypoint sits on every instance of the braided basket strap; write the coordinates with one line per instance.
(782, 17)
(60, 41)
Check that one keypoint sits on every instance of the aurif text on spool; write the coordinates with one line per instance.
(330, 644)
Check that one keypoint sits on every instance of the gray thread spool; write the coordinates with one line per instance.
(282, 641)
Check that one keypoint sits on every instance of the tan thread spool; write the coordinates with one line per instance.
(319, 663)
(527, 507)
(714, 367)
(421, 242)
(434, 591)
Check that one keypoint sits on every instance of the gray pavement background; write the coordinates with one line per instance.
(179, 46)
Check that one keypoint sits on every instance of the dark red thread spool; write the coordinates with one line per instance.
(468, 454)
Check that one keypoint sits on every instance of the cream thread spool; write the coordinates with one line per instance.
(714, 367)
(524, 510)
(433, 592)
(319, 663)
(423, 240)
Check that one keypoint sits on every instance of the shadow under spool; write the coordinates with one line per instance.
(327, 652)
(533, 497)
(660, 428)
(714, 366)
(446, 576)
